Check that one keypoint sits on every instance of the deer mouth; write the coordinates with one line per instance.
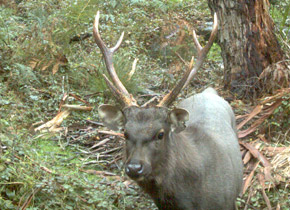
(140, 178)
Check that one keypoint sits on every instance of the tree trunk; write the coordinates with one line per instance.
(248, 43)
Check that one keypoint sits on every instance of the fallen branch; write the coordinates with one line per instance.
(79, 98)
(77, 107)
(112, 133)
(52, 125)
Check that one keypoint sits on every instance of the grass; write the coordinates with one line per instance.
(54, 177)
(39, 65)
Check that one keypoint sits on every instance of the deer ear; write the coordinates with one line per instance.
(177, 118)
(112, 117)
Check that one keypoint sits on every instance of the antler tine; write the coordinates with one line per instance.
(119, 42)
(99, 40)
(196, 42)
(118, 89)
(202, 52)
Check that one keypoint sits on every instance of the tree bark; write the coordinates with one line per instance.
(248, 43)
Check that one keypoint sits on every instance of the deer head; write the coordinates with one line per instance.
(146, 128)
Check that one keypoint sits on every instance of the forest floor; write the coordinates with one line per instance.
(54, 151)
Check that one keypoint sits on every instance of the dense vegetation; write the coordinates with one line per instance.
(47, 52)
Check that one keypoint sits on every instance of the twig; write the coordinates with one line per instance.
(256, 111)
(179, 56)
(28, 200)
(249, 178)
(248, 199)
(115, 160)
(274, 149)
(155, 98)
(104, 141)
(112, 150)
(266, 110)
(82, 136)
(34, 163)
(104, 173)
(79, 98)
(112, 133)
(261, 179)
(77, 107)
(95, 123)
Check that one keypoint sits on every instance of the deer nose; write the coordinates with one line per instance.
(134, 169)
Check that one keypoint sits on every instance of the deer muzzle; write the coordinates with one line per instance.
(137, 169)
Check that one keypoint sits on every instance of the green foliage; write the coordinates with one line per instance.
(214, 52)
(278, 196)
(280, 119)
(280, 12)
(40, 62)
(67, 190)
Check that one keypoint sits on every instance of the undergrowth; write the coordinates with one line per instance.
(47, 50)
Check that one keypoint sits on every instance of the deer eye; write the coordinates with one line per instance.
(160, 134)
(126, 135)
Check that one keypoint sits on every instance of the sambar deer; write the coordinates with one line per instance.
(186, 158)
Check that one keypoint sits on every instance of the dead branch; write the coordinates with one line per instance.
(77, 107)
(261, 158)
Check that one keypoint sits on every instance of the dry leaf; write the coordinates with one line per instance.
(263, 138)
(46, 65)
(261, 179)
(55, 67)
(249, 179)
(256, 111)
(256, 154)
(266, 113)
(104, 173)
(131, 73)
(247, 157)
(33, 63)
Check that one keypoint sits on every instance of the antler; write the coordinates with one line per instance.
(202, 52)
(117, 88)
